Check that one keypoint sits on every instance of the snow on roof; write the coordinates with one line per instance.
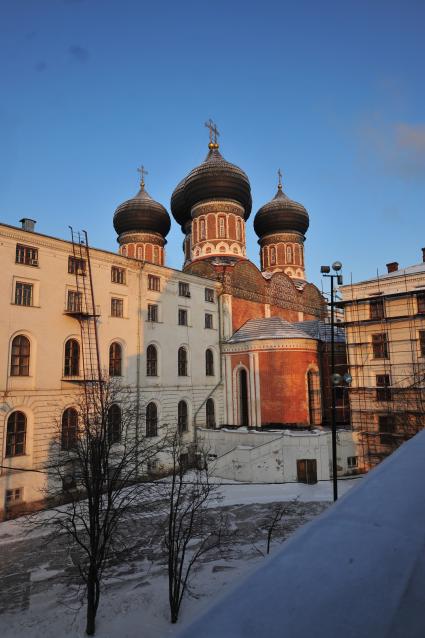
(268, 328)
(321, 330)
(356, 570)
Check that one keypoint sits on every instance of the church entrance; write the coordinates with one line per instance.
(307, 471)
(243, 398)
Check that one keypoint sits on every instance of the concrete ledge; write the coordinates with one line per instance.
(357, 570)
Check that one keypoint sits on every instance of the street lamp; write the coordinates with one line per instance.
(335, 377)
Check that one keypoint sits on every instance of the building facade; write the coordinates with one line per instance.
(385, 333)
(220, 343)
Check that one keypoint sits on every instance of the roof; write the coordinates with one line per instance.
(402, 272)
(321, 330)
(268, 328)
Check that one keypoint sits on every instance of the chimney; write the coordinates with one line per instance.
(423, 255)
(28, 224)
(392, 266)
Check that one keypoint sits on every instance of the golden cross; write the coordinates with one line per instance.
(213, 131)
(142, 170)
(279, 173)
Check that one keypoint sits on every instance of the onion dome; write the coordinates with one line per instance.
(281, 215)
(215, 178)
(142, 214)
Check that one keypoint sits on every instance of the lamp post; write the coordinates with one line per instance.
(335, 378)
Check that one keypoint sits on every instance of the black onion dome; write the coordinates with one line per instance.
(142, 214)
(281, 215)
(215, 178)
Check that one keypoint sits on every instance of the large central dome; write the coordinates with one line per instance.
(215, 178)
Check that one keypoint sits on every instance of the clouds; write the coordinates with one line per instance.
(398, 147)
(78, 53)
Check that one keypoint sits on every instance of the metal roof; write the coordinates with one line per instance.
(321, 330)
(268, 328)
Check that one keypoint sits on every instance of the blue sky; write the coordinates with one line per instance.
(332, 92)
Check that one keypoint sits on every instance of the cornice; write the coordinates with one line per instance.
(271, 345)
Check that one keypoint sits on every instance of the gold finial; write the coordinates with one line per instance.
(142, 170)
(213, 134)
(279, 173)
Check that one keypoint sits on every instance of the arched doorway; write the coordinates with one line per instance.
(243, 398)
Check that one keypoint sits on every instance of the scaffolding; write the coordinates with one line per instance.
(385, 341)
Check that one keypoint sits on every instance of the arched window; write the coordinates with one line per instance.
(272, 255)
(314, 397)
(69, 429)
(239, 230)
(20, 359)
(202, 229)
(151, 419)
(182, 417)
(210, 413)
(182, 362)
(151, 361)
(243, 398)
(16, 434)
(124, 251)
(72, 358)
(296, 254)
(140, 252)
(114, 423)
(289, 254)
(155, 255)
(209, 363)
(221, 227)
(115, 360)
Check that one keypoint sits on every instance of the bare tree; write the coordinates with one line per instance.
(190, 530)
(98, 459)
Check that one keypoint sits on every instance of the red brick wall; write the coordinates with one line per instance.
(283, 385)
(212, 231)
(243, 310)
(284, 313)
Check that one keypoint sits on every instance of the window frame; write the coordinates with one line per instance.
(114, 425)
(117, 307)
(151, 420)
(154, 283)
(376, 309)
(12, 434)
(20, 286)
(210, 414)
(209, 295)
(69, 429)
(184, 289)
(20, 356)
(74, 301)
(386, 427)
(151, 361)
(26, 255)
(380, 345)
(182, 417)
(117, 274)
(420, 300)
(182, 362)
(182, 317)
(115, 360)
(421, 340)
(209, 362)
(71, 365)
(153, 314)
(209, 322)
(383, 387)
(76, 265)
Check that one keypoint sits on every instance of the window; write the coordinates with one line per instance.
(314, 397)
(117, 275)
(289, 254)
(20, 359)
(209, 295)
(182, 362)
(151, 361)
(386, 429)
(152, 312)
(238, 230)
(376, 309)
(155, 255)
(421, 303)
(115, 360)
(26, 255)
(208, 320)
(182, 317)
(151, 419)
(114, 424)
(352, 461)
(221, 227)
(14, 496)
(72, 358)
(23, 294)
(182, 417)
(117, 307)
(154, 283)
(16, 434)
(210, 413)
(75, 301)
(76, 266)
(69, 429)
(184, 289)
(380, 346)
(209, 363)
(272, 255)
(383, 387)
(422, 342)
(202, 228)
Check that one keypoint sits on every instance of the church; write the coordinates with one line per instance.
(218, 344)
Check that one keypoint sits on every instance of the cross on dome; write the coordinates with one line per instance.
(142, 170)
(214, 133)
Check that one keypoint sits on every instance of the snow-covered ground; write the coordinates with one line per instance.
(39, 588)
